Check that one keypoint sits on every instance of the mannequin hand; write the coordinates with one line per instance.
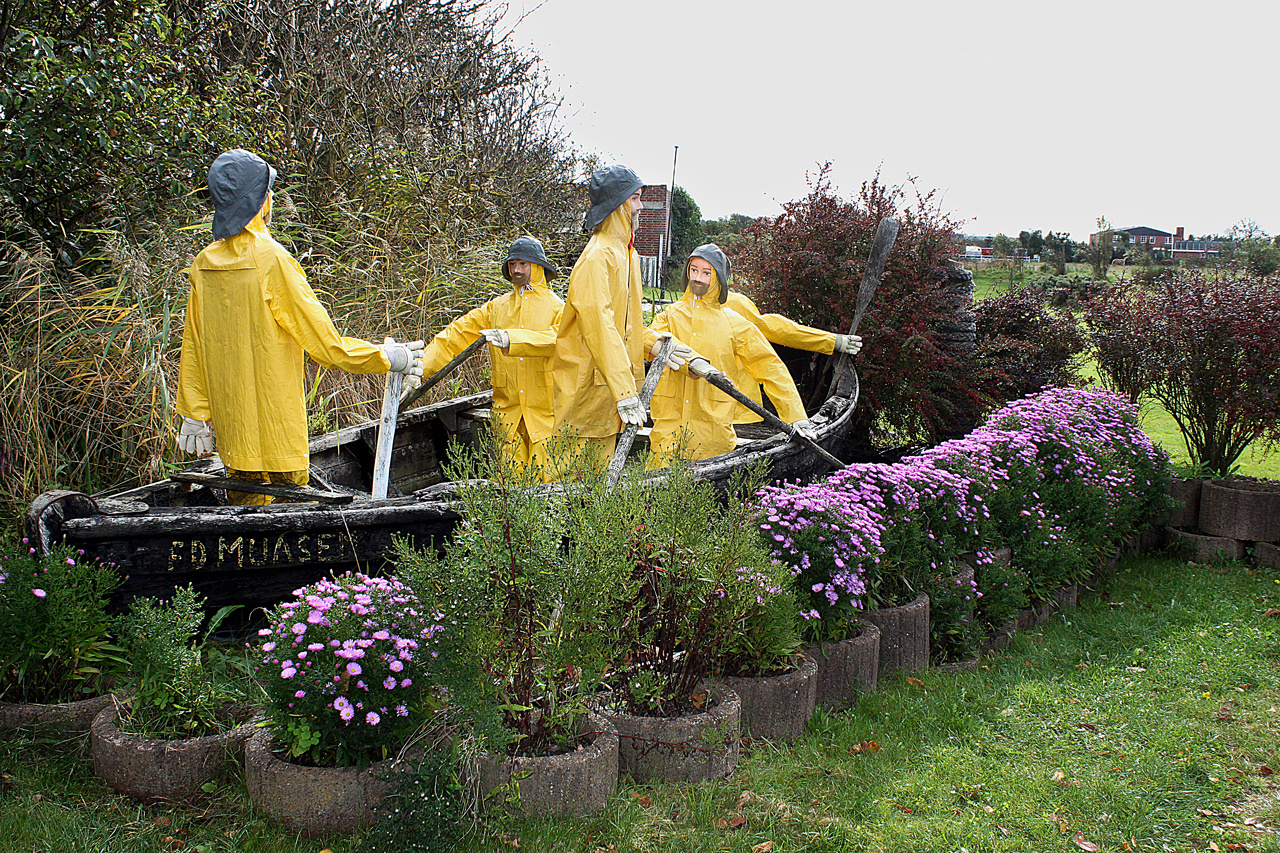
(702, 368)
(196, 437)
(679, 355)
(849, 344)
(404, 358)
(411, 384)
(498, 337)
(805, 428)
(631, 410)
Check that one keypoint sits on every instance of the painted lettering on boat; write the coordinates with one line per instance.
(249, 552)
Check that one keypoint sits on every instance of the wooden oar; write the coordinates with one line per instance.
(722, 382)
(434, 379)
(386, 435)
(843, 380)
(628, 434)
(301, 493)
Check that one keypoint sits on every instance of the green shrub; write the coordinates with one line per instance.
(55, 641)
(182, 686)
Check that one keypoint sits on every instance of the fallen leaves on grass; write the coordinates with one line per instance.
(735, 821)
(642, 800)
(1270, 612)
(864, 747)
(1090, 726)
(762, 847)
(1079, 840)
(914, 682)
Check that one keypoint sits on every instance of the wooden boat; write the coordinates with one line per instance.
(171, 533)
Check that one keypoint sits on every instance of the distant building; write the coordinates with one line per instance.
(652, 238)
(1194, 248)
(1173, 245)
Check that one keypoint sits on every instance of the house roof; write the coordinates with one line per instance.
(1143, 229)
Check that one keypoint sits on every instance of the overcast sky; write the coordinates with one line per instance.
(1024, 115)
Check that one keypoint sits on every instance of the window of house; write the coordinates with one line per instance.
(1142, 239)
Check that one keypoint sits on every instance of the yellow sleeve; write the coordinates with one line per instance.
(759, 359)
(589, 291)
(779, 330)
(193, 395)
(455, 337)
(295, 308)
(527, 342)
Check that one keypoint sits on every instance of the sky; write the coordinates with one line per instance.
(1022, 115)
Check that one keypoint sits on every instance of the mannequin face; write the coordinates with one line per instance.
(700, 275)
(519, 272)
(636, 206)
(266, 208)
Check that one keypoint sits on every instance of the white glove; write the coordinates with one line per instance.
(805, 428)
(631, 410)
(196, 437)
(404, 358)
(411, 384)
(848, 344)
(702, 368)
(498, 337)
(680, 353)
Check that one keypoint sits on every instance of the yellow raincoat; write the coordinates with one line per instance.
(251, 316)
(732, 344)
(779, 330)
(601, 339)
(521, 374)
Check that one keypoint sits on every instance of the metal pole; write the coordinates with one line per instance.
(671, 196)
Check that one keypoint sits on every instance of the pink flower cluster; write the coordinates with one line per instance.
(351, 648)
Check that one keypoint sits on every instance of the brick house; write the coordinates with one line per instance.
(1142, 237)
(652, 240)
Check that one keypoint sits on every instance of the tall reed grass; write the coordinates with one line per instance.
(89, 353)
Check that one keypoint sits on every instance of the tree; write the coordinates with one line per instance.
(1032, 241)
(686, 234)
(806, 263)
(1099, 252)
(1002, 246)
(1057, 249)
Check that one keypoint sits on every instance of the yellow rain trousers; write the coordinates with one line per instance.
(601, 339)
(779, 330)
(521, 375)
(251, 317)
(688, 409)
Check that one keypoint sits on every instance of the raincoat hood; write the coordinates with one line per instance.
(239, 181)
(608, 188)
(529, 249)
(714, 255)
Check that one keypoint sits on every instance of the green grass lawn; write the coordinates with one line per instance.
(1147, 717)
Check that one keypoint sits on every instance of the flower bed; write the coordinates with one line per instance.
(1062, 477)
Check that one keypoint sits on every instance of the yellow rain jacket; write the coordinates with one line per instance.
(521, 374)
(601, 339)
(779, 330)
(251, 316)
(731, 344)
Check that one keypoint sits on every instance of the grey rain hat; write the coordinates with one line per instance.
(529, 249)
(608, 188)
(714, 255)
(239, 181)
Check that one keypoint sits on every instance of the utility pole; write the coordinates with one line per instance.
(671, 194)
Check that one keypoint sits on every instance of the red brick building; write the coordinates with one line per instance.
(652, 239)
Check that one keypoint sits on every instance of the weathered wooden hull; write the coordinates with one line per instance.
(169, 534)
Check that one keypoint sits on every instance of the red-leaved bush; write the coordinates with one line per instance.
(1026, 344)
(807, 262)
(1210, 347)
